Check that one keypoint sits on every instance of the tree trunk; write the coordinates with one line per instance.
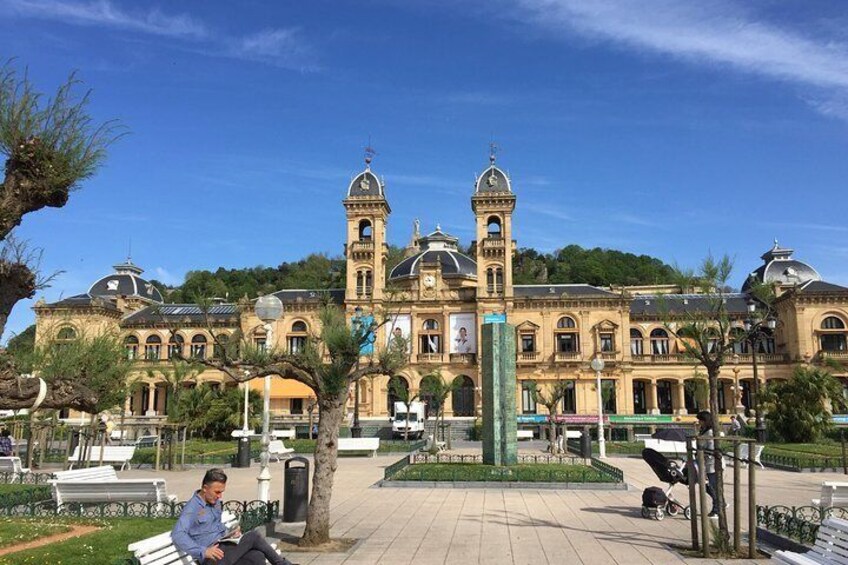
(17, 393)
(330, 414)
(17, 282)
(25, 188)
(724, 532)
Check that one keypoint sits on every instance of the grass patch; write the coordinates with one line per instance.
(99, 548)
(822, 450)
(475, 472)
(16, 488)
(14, 530)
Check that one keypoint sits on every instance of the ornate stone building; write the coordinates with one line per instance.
(439, 298)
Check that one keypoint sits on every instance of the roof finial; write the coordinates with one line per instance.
(369, 154)
(438, 227)
(129, 252)
(775, 242)
(493, 149)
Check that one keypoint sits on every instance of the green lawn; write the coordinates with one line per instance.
(479, 472)
(99, 548)
(15, 530)
(804, 449)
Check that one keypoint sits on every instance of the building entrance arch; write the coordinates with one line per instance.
(462, 397)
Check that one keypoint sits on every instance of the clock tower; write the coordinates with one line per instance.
(366, 249)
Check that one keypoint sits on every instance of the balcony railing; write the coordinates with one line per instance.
(528, 357)
(610, 356)
(661, 359)
(429, 357)
(561, 357)
(463, 358)
(764, 358)
(842, 355)
(494, 243)
(362, 247)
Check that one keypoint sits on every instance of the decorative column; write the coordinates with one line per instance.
(151, 399)
(681, 398)
(653, 402)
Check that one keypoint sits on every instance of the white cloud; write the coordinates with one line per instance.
(105, 13)
(707, 33)
(283, 47)
(165, 276)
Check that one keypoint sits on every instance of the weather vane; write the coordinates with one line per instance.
(369, 152)
(493, 149)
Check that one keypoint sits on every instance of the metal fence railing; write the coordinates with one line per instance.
(10, 478)
(800, 462)
(799, 523)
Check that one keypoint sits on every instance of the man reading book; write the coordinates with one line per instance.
(201, 533)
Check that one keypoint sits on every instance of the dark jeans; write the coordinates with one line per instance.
(252, 550)
(711, 491)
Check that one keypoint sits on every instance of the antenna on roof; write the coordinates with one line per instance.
(369, 154)
(129, 251)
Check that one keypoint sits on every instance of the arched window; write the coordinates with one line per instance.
(198, 346)
(153, 348)
(567, 338)
(569, 400)
(430, 337)
(297, 337)
(462, 396)
(636, 343)
(493, 227)
(395, 383)
(833, 337)
(364, 282)
(131, 347)
(365, 230)
(659, 342)
(494, 280)
(66, 334)
(176, 346)
(430, 400)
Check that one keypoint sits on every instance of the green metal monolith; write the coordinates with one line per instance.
(499, 420)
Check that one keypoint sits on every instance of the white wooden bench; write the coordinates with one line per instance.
(573, 434)
(831, 546)
(283, 434)
(431, 440)
(277, 449)
(524, 434)
(147, 441)
(92, 474)
(832, 494)
(371, 444)
(160, 549)
(743, 454)
(12, 465)
(112, 454)
(678, 448)
(126, 490)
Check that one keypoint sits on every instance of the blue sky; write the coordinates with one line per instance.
(670, 128)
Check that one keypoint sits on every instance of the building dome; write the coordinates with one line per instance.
(366, 183)
(493, 179)
(438, 247)
(125, 281)
(780, 268)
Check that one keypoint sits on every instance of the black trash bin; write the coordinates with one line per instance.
(295, 490)
(243, 453)
(586, 443)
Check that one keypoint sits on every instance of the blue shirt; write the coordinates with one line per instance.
(198, 527)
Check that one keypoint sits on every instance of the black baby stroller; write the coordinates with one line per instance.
(656, 502)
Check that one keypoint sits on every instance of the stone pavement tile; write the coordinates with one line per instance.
(438, 534)
(553, 540)
(495, 540)
(523, 530)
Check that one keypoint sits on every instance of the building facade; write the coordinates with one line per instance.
(438, 298)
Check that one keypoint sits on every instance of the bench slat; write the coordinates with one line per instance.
(160, 549)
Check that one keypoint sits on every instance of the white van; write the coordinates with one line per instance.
(413, 422)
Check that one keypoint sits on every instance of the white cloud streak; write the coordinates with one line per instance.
(707, 33)
(104, 13)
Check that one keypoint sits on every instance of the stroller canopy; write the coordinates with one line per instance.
(665, 469)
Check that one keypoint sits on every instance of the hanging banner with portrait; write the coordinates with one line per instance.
(364, 322)
(463, 333)
(399, 325)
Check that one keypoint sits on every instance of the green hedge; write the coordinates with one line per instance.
(474, 472)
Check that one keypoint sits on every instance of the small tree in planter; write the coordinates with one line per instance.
(438, 389)
(551, 399)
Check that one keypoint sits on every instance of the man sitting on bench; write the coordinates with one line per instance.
(199, 530)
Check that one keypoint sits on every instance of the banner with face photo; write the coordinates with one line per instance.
(463, 333)
(400, 325)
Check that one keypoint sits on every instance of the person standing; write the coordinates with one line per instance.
(6, 443)
(705, 429)
(199, 530)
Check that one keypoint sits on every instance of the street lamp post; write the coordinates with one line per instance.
(755, 326)
(598, 366)
(269, 308)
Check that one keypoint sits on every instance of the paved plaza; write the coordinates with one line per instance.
(498, 526)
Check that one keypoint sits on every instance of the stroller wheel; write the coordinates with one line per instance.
(660, 513)
(672, 509)
(645, 512)
(687, 513)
